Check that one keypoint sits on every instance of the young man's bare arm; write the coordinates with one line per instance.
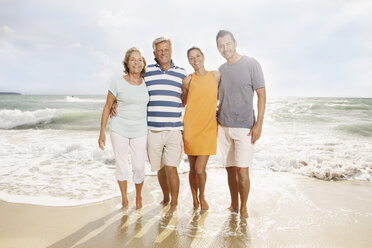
(261, 104)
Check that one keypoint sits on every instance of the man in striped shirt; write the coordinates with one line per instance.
(164, 139)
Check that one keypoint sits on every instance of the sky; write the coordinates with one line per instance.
(305, 47)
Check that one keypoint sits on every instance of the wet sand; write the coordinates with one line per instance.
(284, 211)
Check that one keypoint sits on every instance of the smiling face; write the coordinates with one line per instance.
(196, 59)
(226, 46)
(135, 63)
(163, 53)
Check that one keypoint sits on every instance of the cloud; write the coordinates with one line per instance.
(305, 47)
(108, 68)
(117, 20)
(75, 45)
(6, 29)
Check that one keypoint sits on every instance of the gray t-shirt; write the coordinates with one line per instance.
(236, 90)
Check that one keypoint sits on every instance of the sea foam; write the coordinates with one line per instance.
(14, 118)
(53, 155)
(80, 100)
(58, 168)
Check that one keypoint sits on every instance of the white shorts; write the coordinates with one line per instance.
(164, 148)
(235, 146)
(137, 146)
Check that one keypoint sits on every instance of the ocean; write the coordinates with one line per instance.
(49, 152)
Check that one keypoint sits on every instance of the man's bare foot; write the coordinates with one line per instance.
(203, 204)
(125, 203)
(172, 209)
(244, 213)
(236, 210)
(138, 202)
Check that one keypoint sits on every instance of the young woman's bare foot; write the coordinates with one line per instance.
(203, 204)
(138, 202)
(164, 202)
(244, 213)
(236, 210)
(125, 203)
(195, 203)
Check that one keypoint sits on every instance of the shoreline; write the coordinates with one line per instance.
(285, 210)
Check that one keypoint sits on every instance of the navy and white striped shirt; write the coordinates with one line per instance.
(165, 106)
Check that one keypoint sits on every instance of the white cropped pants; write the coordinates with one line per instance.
(137, 146)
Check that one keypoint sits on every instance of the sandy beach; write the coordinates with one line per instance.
(284, 211)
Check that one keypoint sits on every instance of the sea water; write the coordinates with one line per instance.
(49, 152)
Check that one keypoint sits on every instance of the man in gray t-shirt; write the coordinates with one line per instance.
(238, 129)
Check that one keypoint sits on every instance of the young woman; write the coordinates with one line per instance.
(199, 94)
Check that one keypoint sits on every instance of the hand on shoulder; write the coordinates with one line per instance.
(186, 81)
(187, 78)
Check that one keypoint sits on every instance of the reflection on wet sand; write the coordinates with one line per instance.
(88, 230)
(152, 227)
(284, 211)
(166, 226)
(233, 233)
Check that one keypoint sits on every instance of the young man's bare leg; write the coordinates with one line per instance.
(232, 178)
(174, 186)
(244, 187)
(193, 181)
(162, 178)
(123, 191)
(200, 165)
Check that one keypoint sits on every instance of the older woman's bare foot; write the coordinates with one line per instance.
(203, 204)
(244, 213)
(138, 202)
(125, 203)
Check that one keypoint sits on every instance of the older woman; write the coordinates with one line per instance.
(128, 129)
(199, 94)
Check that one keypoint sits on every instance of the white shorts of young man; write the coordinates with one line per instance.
(235, 146)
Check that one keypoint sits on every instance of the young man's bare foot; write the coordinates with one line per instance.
(125, 203)
(236, 210)
(244, 213)
(203, 204)
(138, 202)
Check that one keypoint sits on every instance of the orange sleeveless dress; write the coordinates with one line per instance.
(200, 122)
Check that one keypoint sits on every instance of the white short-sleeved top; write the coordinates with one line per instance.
(131, 119)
